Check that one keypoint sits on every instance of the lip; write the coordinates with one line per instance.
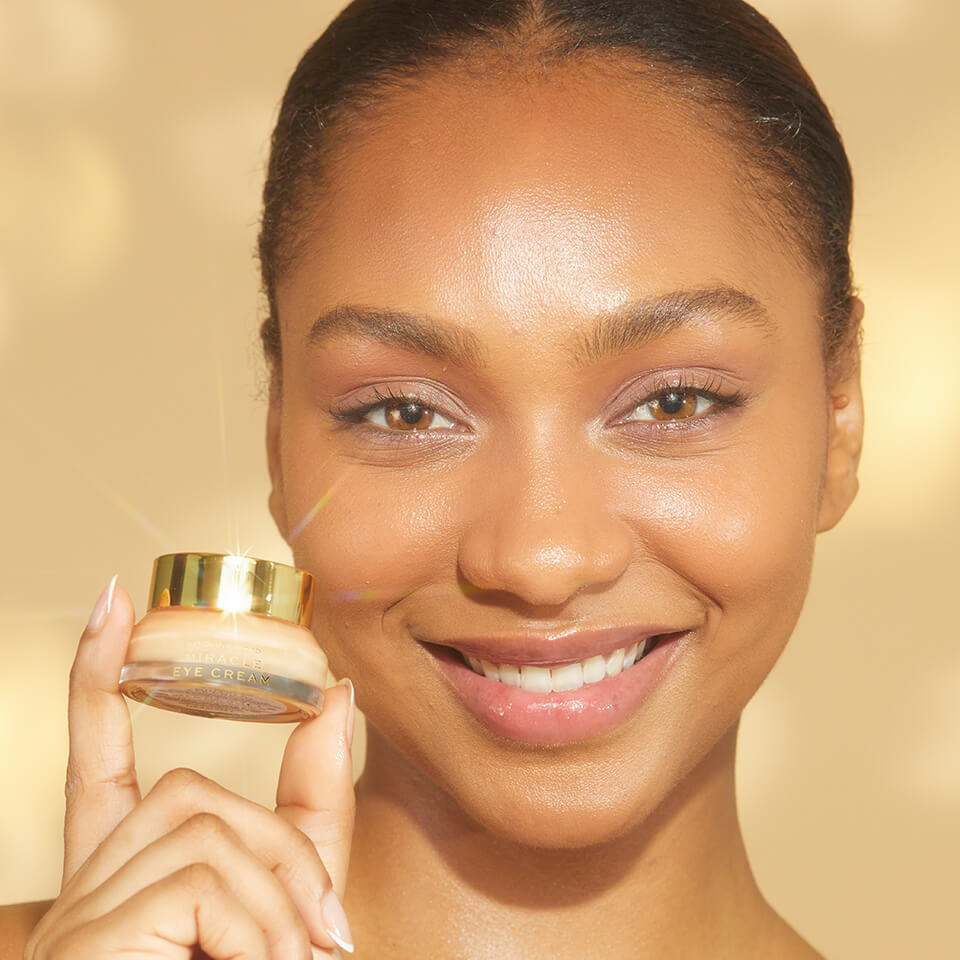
(542, 651)
(557, 718)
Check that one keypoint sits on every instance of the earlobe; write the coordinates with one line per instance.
(845, 439)
(276, 500)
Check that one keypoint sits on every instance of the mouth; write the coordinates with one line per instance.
(551, 701)
(570, 675)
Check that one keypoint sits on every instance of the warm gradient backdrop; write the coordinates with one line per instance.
(132, 141)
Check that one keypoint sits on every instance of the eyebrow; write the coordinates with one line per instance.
(638, 322)
(614, 331)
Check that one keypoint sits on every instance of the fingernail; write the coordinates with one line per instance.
(335, 921)
(351, 710)
(101, 609)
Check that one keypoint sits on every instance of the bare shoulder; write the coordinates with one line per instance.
(17, 920)
(798, 949)
(782, 941)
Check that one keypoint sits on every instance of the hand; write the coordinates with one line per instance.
(191, 864)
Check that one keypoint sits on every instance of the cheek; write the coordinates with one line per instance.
(736, 524)
(732, 527)
(737, 528)
(371, 531)
(370, 535)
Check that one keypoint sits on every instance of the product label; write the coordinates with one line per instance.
(231, 674)
(248, 660)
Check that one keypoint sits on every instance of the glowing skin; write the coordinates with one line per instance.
(520, 211)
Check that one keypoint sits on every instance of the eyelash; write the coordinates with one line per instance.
(354, 415)
(722, 400)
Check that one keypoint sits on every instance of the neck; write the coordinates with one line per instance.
(426, 880)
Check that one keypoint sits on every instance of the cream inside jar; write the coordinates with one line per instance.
(228, 637)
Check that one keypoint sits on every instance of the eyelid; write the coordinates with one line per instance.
(351, 410)
(726, 397)
(725, 391)
(693, 379)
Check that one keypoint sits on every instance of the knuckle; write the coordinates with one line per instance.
(206, 826)
(328, 833)
(75, 677)
(200, 878)
(302, 864)
(73, 785)
(179, 781)
(303, 846)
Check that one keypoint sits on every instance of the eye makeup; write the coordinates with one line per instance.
(668, 397)
(229, 637)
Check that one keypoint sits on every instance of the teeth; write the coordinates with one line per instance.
(594, 669)
(569, 677)
(615, 662)
(510, 674)
(490, 670)
(536, 679)
(572, 676)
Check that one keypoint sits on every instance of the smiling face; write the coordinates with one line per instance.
(619, 418)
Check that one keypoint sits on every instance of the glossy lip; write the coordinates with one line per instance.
(541, 651)
(557, 718)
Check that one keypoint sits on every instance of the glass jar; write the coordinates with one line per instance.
(229, 637)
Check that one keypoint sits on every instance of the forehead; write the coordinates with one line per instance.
(521, 197)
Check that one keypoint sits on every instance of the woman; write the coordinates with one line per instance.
(562, 335)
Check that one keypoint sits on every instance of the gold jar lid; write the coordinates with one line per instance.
(232, 584)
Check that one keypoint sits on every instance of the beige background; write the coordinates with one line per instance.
(132, 140)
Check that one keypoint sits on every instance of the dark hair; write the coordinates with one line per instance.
(722, 54)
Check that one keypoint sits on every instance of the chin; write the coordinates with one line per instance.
(566, 826)
(555, 801)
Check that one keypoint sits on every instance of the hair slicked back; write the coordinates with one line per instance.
(725, 54)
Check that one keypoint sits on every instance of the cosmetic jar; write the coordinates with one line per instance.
(229, 637)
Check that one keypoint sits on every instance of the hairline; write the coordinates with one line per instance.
(759, 173)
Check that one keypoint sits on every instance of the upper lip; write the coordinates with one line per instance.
(555, 650)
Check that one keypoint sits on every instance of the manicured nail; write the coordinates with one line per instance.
(351, 710)
(101, 609)
(335, 921)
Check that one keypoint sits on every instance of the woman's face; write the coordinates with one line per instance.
(564, 253)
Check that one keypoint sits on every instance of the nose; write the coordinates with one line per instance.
(540, 530)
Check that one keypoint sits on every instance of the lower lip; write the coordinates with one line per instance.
(555, 718)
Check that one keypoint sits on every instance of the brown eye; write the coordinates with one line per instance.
(408, 416)
(403, 415)
(676, 405)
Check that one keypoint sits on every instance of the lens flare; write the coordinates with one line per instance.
(314, 510)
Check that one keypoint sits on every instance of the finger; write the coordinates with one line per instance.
(183, 794)
(315, 789)
(191, 907)
(205, 838)
(101, 786)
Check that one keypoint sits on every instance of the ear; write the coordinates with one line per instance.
(845, 439)
(276, 502)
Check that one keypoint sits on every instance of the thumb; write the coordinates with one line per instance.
(315, 789)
